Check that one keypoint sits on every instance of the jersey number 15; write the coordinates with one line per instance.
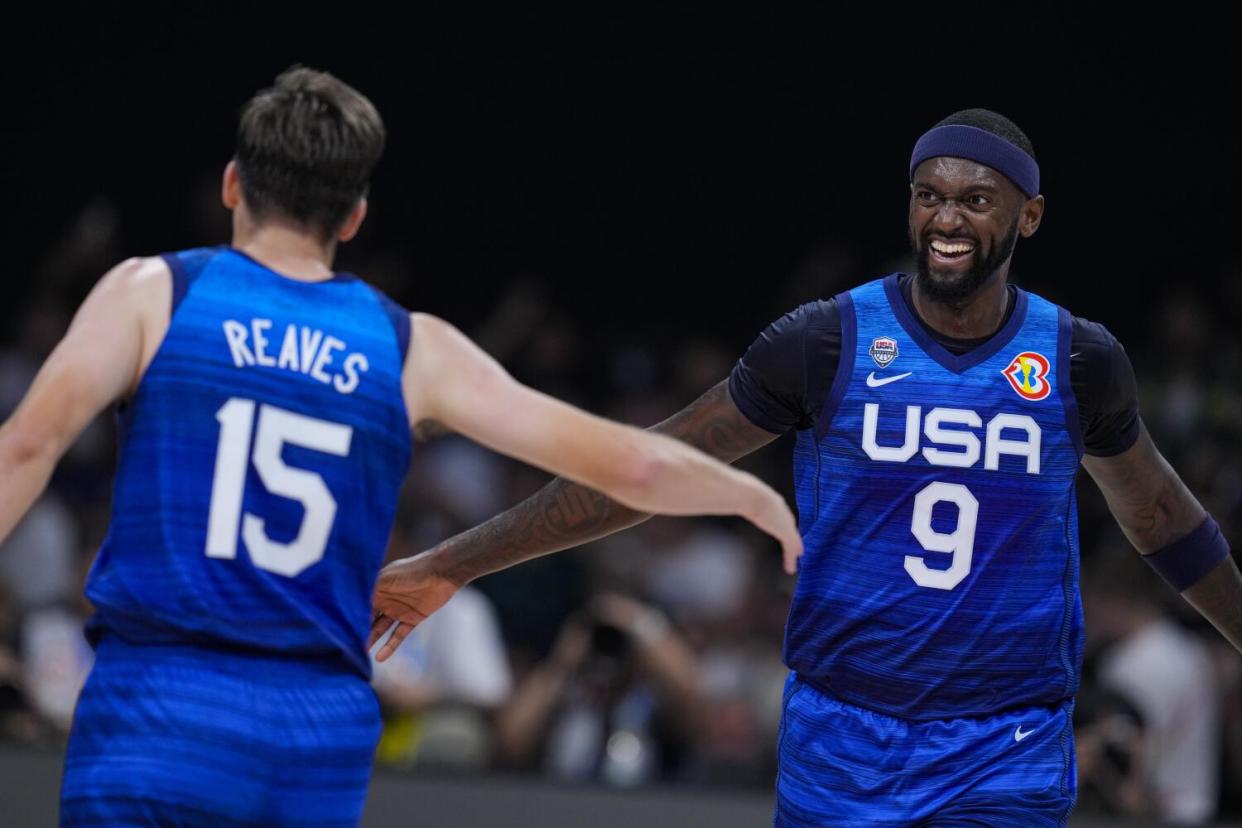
(276, 428)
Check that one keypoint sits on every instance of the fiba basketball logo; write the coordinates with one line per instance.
(1026, 374)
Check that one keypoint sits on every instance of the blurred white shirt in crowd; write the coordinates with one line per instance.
(1167, 674)
(457, 653)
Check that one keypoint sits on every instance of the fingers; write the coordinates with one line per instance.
(779, 522)
(399, 633)
(793, 551)
(379, 625)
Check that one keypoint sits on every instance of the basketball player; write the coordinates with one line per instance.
(935, 635)
(267, 405)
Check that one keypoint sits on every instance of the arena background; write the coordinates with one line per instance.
(615, 202)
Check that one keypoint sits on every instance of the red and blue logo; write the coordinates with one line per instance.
(1028, 373)
(883, 351)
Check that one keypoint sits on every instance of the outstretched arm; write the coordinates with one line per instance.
(454, 383)
(99, 360)
(564, 514)
(561, 515)
(1158, 513)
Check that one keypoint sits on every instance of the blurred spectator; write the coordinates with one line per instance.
(57, 659)
(1229, 674)
(616, 701)
(83, 477)
(18, 720)
(514, 319)
(701, 570)
(1114, 765)
(442, 686)
(39, 560)
(88, 246)
(459, 480)
(1174, 387)
(1166, 673)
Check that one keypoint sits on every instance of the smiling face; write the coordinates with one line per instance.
(965, 219)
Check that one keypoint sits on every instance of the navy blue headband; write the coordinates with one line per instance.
(974, 144)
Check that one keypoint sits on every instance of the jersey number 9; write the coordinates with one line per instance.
(960, 542)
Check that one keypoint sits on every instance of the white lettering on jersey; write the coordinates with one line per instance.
(258, 326)
(1028, 448)
(952, 437)
(289, 350)
(303, 350)
(964, 444)
(236, 333)
(353, 364)
(890, 454)
(330, 344)
(310, 346)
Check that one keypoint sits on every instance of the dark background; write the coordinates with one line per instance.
(671, 172)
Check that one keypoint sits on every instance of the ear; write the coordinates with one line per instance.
(1032, 215)
(350, 228)
(230, 186)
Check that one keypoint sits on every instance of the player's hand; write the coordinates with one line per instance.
(772, 515)
(407, 592)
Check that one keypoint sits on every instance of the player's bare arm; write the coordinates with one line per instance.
(111, 340)
(1156, 510)
(563, 514)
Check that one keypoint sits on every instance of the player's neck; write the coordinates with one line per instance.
(976, 317)
(286, 250)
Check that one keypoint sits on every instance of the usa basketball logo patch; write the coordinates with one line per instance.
(883, 351)
(1027, 373)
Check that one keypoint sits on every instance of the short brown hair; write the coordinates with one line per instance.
(306, 148)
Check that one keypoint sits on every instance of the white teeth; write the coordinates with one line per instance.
(945, 247)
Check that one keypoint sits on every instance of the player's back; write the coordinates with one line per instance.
(260, 462)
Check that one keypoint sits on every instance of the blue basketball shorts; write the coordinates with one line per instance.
(844, 765)
(187, 736)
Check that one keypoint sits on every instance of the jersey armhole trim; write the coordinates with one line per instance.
(180, 281)
(845, 365)
(1065, 335)
(399, 318)
(186, 266)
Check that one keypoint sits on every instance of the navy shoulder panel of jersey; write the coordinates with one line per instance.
(186, 266)
(783, 378)
(1104, 384)
(398, 317)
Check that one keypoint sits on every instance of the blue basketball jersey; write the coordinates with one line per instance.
(936, 500)
(260, 462)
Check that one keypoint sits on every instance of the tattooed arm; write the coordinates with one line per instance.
(559, 516)
(564, 514)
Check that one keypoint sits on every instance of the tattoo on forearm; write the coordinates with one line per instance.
(713, 424)
(574, 509)
(559, 516)
(565, 514)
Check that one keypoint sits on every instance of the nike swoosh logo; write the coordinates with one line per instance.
(1018, 735)
(872, 382)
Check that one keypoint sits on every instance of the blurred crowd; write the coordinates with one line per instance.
(653, 656)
